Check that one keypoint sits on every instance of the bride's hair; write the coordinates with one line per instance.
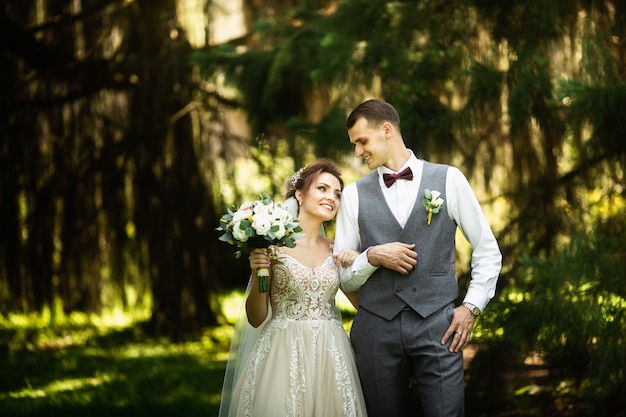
(304, 177)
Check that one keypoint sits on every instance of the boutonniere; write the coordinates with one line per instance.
(432, 202)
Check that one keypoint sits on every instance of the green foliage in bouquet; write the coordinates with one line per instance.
(259, 224)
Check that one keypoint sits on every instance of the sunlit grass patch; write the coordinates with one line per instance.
(106, 365)
(53, 329)
(61, 385)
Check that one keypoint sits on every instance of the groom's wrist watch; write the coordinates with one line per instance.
(472, 308)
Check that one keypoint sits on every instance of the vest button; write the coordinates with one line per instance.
(398, 289)
(413, 289)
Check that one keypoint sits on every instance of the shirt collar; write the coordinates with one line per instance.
(413, 162)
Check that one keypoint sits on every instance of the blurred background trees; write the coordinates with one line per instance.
(127, 127)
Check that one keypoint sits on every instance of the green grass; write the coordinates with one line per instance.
(113, 375)
(101, 366)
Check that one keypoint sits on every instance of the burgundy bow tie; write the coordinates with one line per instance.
(405, 174)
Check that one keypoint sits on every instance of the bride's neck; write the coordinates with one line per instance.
(308, 243)
(311, 230)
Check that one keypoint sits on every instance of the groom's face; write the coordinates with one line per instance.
(370, 143)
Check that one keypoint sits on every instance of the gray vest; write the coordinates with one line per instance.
(432, 284)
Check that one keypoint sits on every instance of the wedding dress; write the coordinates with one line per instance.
(301, 364)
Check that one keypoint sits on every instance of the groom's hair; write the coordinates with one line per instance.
(376, 112)
(311, 172)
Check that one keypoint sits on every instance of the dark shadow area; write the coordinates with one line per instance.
(118, 374)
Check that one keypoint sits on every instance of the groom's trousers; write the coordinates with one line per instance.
(390, 352)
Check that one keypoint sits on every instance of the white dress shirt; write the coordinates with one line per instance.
(463, 209)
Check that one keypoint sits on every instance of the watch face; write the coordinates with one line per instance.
(472, 308)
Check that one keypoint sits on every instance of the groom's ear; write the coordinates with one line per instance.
(387, 129)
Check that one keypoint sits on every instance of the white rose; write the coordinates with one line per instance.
(239, 234)
(283, 215)
(263, 209)
(280, 233)
(262, 224)
(437, 201)
(434, 195)
(242, 213)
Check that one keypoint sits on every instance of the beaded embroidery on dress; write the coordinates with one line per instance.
(302, 364)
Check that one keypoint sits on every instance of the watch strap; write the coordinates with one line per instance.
(472, 308)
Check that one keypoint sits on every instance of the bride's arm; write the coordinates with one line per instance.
(344, 259)
(257, 302)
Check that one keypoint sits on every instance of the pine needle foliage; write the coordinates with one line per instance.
(571, 309)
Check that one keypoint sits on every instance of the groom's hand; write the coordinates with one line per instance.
(460, 329)
(397, 256)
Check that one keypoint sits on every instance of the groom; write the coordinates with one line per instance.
(407, 325)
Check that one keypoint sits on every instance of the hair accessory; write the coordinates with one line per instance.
(293, 180)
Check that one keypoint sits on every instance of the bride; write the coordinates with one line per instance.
(290, 355)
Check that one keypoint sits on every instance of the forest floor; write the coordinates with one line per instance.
(83, 370)
(529, 391)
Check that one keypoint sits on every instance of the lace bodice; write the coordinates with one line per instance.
(299, 292)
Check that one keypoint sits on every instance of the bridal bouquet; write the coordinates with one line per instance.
(259, 224)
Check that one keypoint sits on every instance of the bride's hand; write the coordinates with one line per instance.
(259, 258)
(345, 258)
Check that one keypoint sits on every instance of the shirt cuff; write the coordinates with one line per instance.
(357, 274)
(477, 298)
